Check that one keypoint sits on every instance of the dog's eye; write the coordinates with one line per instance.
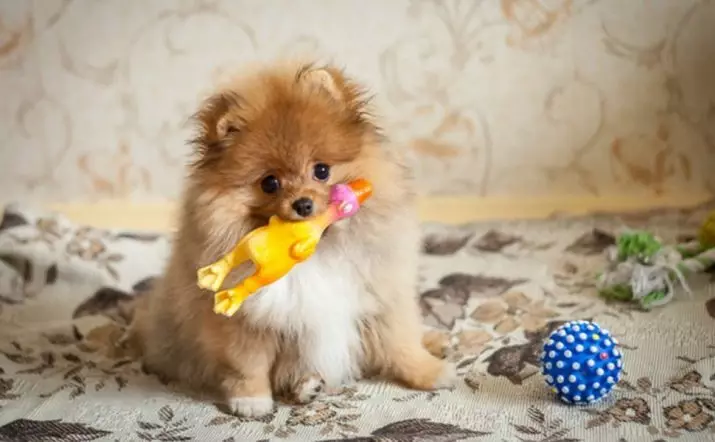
(270, 184)
(321, 172)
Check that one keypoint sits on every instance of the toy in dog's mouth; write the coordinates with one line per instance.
(347, 198)
(345, 201)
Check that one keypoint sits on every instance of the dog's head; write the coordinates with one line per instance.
(275, 142)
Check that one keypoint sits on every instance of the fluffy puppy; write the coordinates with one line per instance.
(273, 142)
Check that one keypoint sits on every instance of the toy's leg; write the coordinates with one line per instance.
(227, 302)
(212, 276)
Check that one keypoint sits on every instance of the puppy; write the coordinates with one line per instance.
(273, 142)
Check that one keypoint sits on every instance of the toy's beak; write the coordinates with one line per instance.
(362, 189)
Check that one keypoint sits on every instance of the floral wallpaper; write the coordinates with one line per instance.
(491, 97)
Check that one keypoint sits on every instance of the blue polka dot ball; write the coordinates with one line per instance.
(581, 362)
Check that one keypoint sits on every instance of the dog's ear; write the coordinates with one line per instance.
(215, 120)
(323, 79)
(335, 84)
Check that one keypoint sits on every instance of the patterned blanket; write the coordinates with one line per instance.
(489, 292)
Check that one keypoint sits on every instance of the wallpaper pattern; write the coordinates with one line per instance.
(491, 97)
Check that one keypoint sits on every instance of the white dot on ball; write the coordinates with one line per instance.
(590, 398)
(570, 339)
(543, 355)
(560, 379)
(577, 398)
(549, 379)
(604, 391)
(565, 399)
(559, 345)
(575, 365)
(610, 380)
(619, 363)
(572, 378)
(564, 389)
(610, 366)
(615, 352)
(583, 336)
(579, 348)
(568, 353)
(605, 332)
(607, 342)
(599, 371)
(581, 387)
(590, 363)
(596, 385)
(590, 328)
(550, 342)
(562, 332)
(552, 354)
(560, 364)
(594, 349)
(548, 365)
(576, 328)
(615, 341)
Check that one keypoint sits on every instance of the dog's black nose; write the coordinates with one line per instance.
(303, 206)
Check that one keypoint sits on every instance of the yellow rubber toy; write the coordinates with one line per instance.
(277, 247)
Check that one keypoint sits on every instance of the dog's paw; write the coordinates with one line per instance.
(447, 378)
(251, 406)
(309, 389)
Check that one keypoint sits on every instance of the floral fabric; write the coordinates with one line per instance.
(490, 293)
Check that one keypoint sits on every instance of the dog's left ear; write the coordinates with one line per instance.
(336, 85)
(323, 80)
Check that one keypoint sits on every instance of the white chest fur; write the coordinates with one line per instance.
(319, 303)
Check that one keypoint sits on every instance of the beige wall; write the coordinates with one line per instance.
(500, 98)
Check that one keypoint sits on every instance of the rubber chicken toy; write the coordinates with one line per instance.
(277, 247)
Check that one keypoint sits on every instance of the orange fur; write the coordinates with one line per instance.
(282, 120)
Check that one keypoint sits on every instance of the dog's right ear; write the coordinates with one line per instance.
(215, 121)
